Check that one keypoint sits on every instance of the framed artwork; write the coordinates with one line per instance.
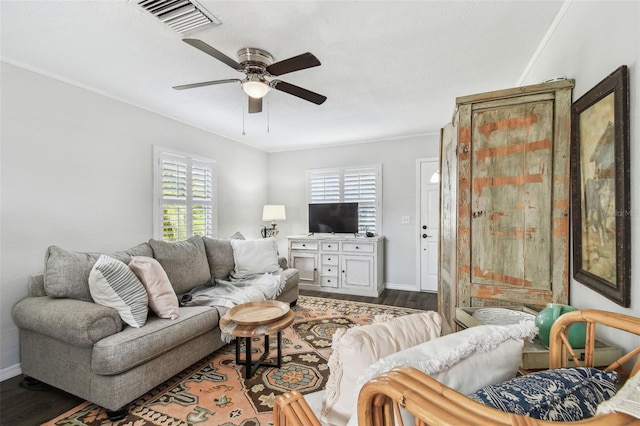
(600, 191)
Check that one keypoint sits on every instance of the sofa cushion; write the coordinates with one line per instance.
(134, 346)
(355, 349)
(162, 298)
(66, 273)
(112, 283)
(253, 257)
(220, 257)
(561, 395)
(185, 262)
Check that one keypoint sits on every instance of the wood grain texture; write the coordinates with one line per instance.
(256, 313)
(512, 198)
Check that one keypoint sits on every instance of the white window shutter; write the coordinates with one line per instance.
(324, 187)
(359, 185)
(185, 196)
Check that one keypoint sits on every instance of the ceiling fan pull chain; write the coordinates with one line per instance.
(268, 113)
(242, 107)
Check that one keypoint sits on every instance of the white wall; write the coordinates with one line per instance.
(287, 185)
(592, 40)
(77, 172)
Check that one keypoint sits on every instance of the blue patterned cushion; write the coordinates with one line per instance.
(565, 394)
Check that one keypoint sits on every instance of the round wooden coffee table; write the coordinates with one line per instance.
(254, 324)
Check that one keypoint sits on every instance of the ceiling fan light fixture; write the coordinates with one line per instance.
(255, 87)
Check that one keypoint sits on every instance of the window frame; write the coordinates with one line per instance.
(340, 172)
(159, 154)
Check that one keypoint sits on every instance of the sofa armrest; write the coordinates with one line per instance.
(282, 261)
(76, 322)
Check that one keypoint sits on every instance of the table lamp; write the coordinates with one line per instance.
(272, 212)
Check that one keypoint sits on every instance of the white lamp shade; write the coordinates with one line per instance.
(255, 89)
(273, 212)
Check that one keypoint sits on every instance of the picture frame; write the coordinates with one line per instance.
(600, 188)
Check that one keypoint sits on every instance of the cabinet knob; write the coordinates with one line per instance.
(329, 269)
(304, 245)
(424, 226)
(357, 247)
(328, 258)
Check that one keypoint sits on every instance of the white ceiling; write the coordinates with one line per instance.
(389, 68)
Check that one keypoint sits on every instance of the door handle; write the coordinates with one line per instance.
(426, 236)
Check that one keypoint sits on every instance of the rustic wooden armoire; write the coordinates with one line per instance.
(504, 225)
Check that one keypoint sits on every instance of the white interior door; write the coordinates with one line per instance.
(428, 226)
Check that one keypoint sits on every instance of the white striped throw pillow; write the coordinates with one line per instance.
(112, 283)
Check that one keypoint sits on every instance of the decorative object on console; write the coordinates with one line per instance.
(545, 319)
(272, 212)
(600, 183)
(502, 316)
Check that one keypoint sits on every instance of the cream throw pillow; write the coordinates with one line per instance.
(162, 298)
(254, 257)
(357, 348)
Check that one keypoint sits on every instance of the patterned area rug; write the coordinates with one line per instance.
(213, 391)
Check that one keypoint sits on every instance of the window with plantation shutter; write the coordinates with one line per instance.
(185, 200)
(350, 184)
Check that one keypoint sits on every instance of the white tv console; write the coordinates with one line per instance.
(338, 264)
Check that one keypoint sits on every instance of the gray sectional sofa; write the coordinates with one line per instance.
(84, 348)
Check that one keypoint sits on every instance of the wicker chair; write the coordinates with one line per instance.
(433, 403)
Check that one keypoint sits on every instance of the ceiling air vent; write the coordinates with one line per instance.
(184, 16)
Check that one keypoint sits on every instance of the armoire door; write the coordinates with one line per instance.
(513, 196)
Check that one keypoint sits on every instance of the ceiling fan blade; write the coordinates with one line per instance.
(255, 105)
(207, 83)
(297, 63)
(201, 45)
(294, 90)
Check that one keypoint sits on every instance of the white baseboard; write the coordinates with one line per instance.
(404, 287)
(9, 372)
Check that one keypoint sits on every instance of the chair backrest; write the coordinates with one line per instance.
(560, 351)
(431, 402)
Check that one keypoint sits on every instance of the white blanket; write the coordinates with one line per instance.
(626, 400)
(230, 293)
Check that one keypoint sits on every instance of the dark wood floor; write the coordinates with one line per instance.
(22, 407)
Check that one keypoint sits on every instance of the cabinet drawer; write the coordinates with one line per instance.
(329, 259)
(329, 246)
(330, 270)
(304, 245)
(355, 247)
(329, 282)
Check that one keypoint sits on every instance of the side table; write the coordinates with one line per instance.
(227, 325)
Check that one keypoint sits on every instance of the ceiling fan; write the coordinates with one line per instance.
(258, 64)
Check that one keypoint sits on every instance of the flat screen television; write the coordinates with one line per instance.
(336, 218)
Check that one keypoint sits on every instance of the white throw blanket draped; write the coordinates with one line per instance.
(231, 293)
